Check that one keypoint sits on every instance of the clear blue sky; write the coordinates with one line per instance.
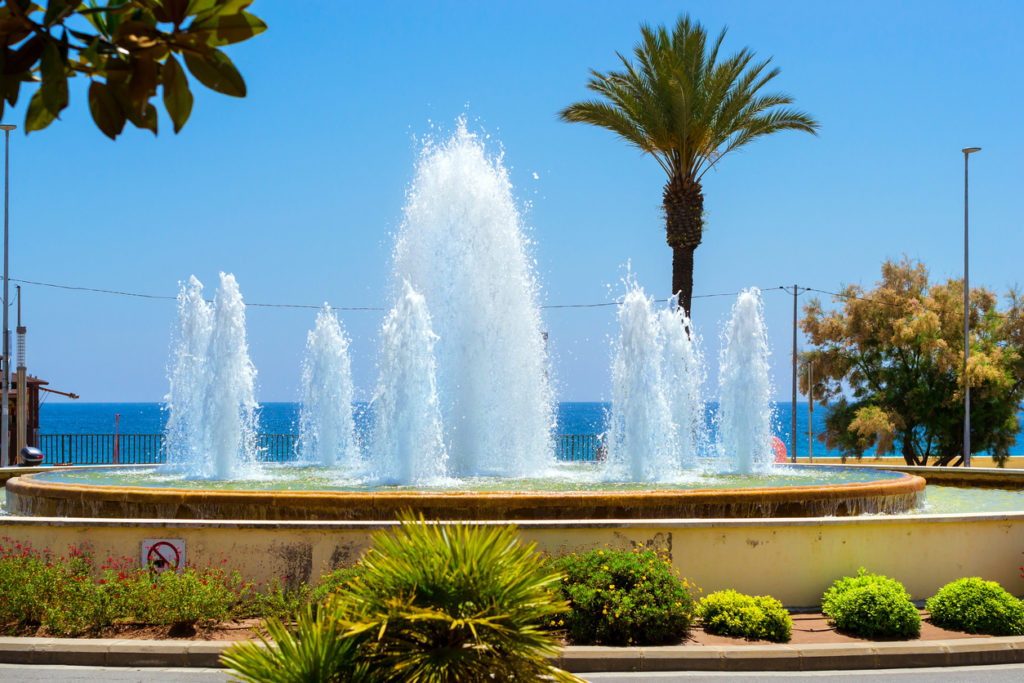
(298, 187)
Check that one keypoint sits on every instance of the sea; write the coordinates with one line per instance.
(282, 418)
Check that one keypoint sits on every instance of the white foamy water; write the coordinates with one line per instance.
(188, 377)
(326, 428)
(643, 443)
(682, 373)
(212, 422)
(461, 246)
(408, 446)
(744, 408)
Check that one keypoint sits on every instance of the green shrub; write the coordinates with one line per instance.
(624, 598)
(754, 617)
(61, 593)
(977, 606)
(430, 602)
(871, 605)
(335, 582)
(317, 649)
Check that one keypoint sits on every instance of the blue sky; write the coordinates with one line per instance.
(298, 188)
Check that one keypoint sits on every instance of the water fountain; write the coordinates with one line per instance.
(326, 429)
(643, 440)
(212, 405)
(744, 411)
(408, 444)
(464, 408)
(462, 250)
(462, 246)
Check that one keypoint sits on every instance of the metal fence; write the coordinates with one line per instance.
(148, 449)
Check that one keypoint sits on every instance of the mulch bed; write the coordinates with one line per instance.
(807, 628)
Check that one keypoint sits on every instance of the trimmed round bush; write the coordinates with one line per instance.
(754, 617)
(872, 606)
(974, 605)
(624, 598)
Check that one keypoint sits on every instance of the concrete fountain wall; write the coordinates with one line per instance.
(42, 498)
(791, 559)
(794, 559)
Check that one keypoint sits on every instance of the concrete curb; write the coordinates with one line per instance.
(577, 659)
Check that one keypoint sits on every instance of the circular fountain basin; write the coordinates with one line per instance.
(286, 495)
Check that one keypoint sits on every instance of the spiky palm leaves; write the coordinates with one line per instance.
(682, 105)
(431, 603)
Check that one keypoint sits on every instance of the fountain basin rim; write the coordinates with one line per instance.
(43, 498)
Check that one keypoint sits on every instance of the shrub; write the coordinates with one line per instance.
(624, 598)
(754, 617)
(871, 605)
(315, 650)
(430, 602)
(335, 582)
(61, 594)
(977, 606)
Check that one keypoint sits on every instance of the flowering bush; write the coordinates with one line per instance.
(62, 593)
(624, 598)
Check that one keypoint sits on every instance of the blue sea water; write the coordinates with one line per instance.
(282, 418)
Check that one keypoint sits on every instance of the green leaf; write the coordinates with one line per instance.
(38, 116)
(106, 111)
(217, 73)
(55, 79)
(177, 96)
(227, 29)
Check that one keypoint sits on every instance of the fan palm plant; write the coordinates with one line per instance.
(680, 103)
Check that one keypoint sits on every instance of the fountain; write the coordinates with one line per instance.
(463, 408)
(744, 410)
(408, 444)
(326, 430)
(211, 404)
(461, 246)
(479, 393)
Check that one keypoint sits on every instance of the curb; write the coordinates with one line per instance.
(575, 658)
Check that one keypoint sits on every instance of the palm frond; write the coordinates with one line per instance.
(679, 101)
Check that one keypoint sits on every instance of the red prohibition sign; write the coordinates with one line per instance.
(163, 556)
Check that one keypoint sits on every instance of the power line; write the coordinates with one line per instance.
(140, 295)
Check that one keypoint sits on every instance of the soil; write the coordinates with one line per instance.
(807, 628)
(814, 628)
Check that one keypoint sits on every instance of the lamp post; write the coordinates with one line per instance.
(5, 434)
(967, 323)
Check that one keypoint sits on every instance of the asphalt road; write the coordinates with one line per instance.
(966, 674)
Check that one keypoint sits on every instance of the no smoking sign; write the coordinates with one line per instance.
(163, 554)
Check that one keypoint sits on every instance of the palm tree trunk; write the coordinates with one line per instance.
(683, 203)
(682, 276)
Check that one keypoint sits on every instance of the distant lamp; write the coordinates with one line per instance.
(967, 324)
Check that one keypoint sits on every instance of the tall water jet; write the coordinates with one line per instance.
(408, 446)
(188, 377)
(229, 419)
(744, 408)
(682, 372)
(642, 445)
(461, 245)
(326, 428)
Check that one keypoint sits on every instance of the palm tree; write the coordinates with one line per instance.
(680, 104)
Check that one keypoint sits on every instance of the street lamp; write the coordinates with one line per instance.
(967, 323)
(5, 435)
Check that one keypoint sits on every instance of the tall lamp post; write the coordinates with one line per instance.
(967, 323)
(5, 409)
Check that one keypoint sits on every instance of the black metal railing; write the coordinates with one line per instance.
(148, 449)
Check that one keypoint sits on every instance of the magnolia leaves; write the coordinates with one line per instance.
(137, 49)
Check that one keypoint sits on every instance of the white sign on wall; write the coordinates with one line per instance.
(163, 554)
